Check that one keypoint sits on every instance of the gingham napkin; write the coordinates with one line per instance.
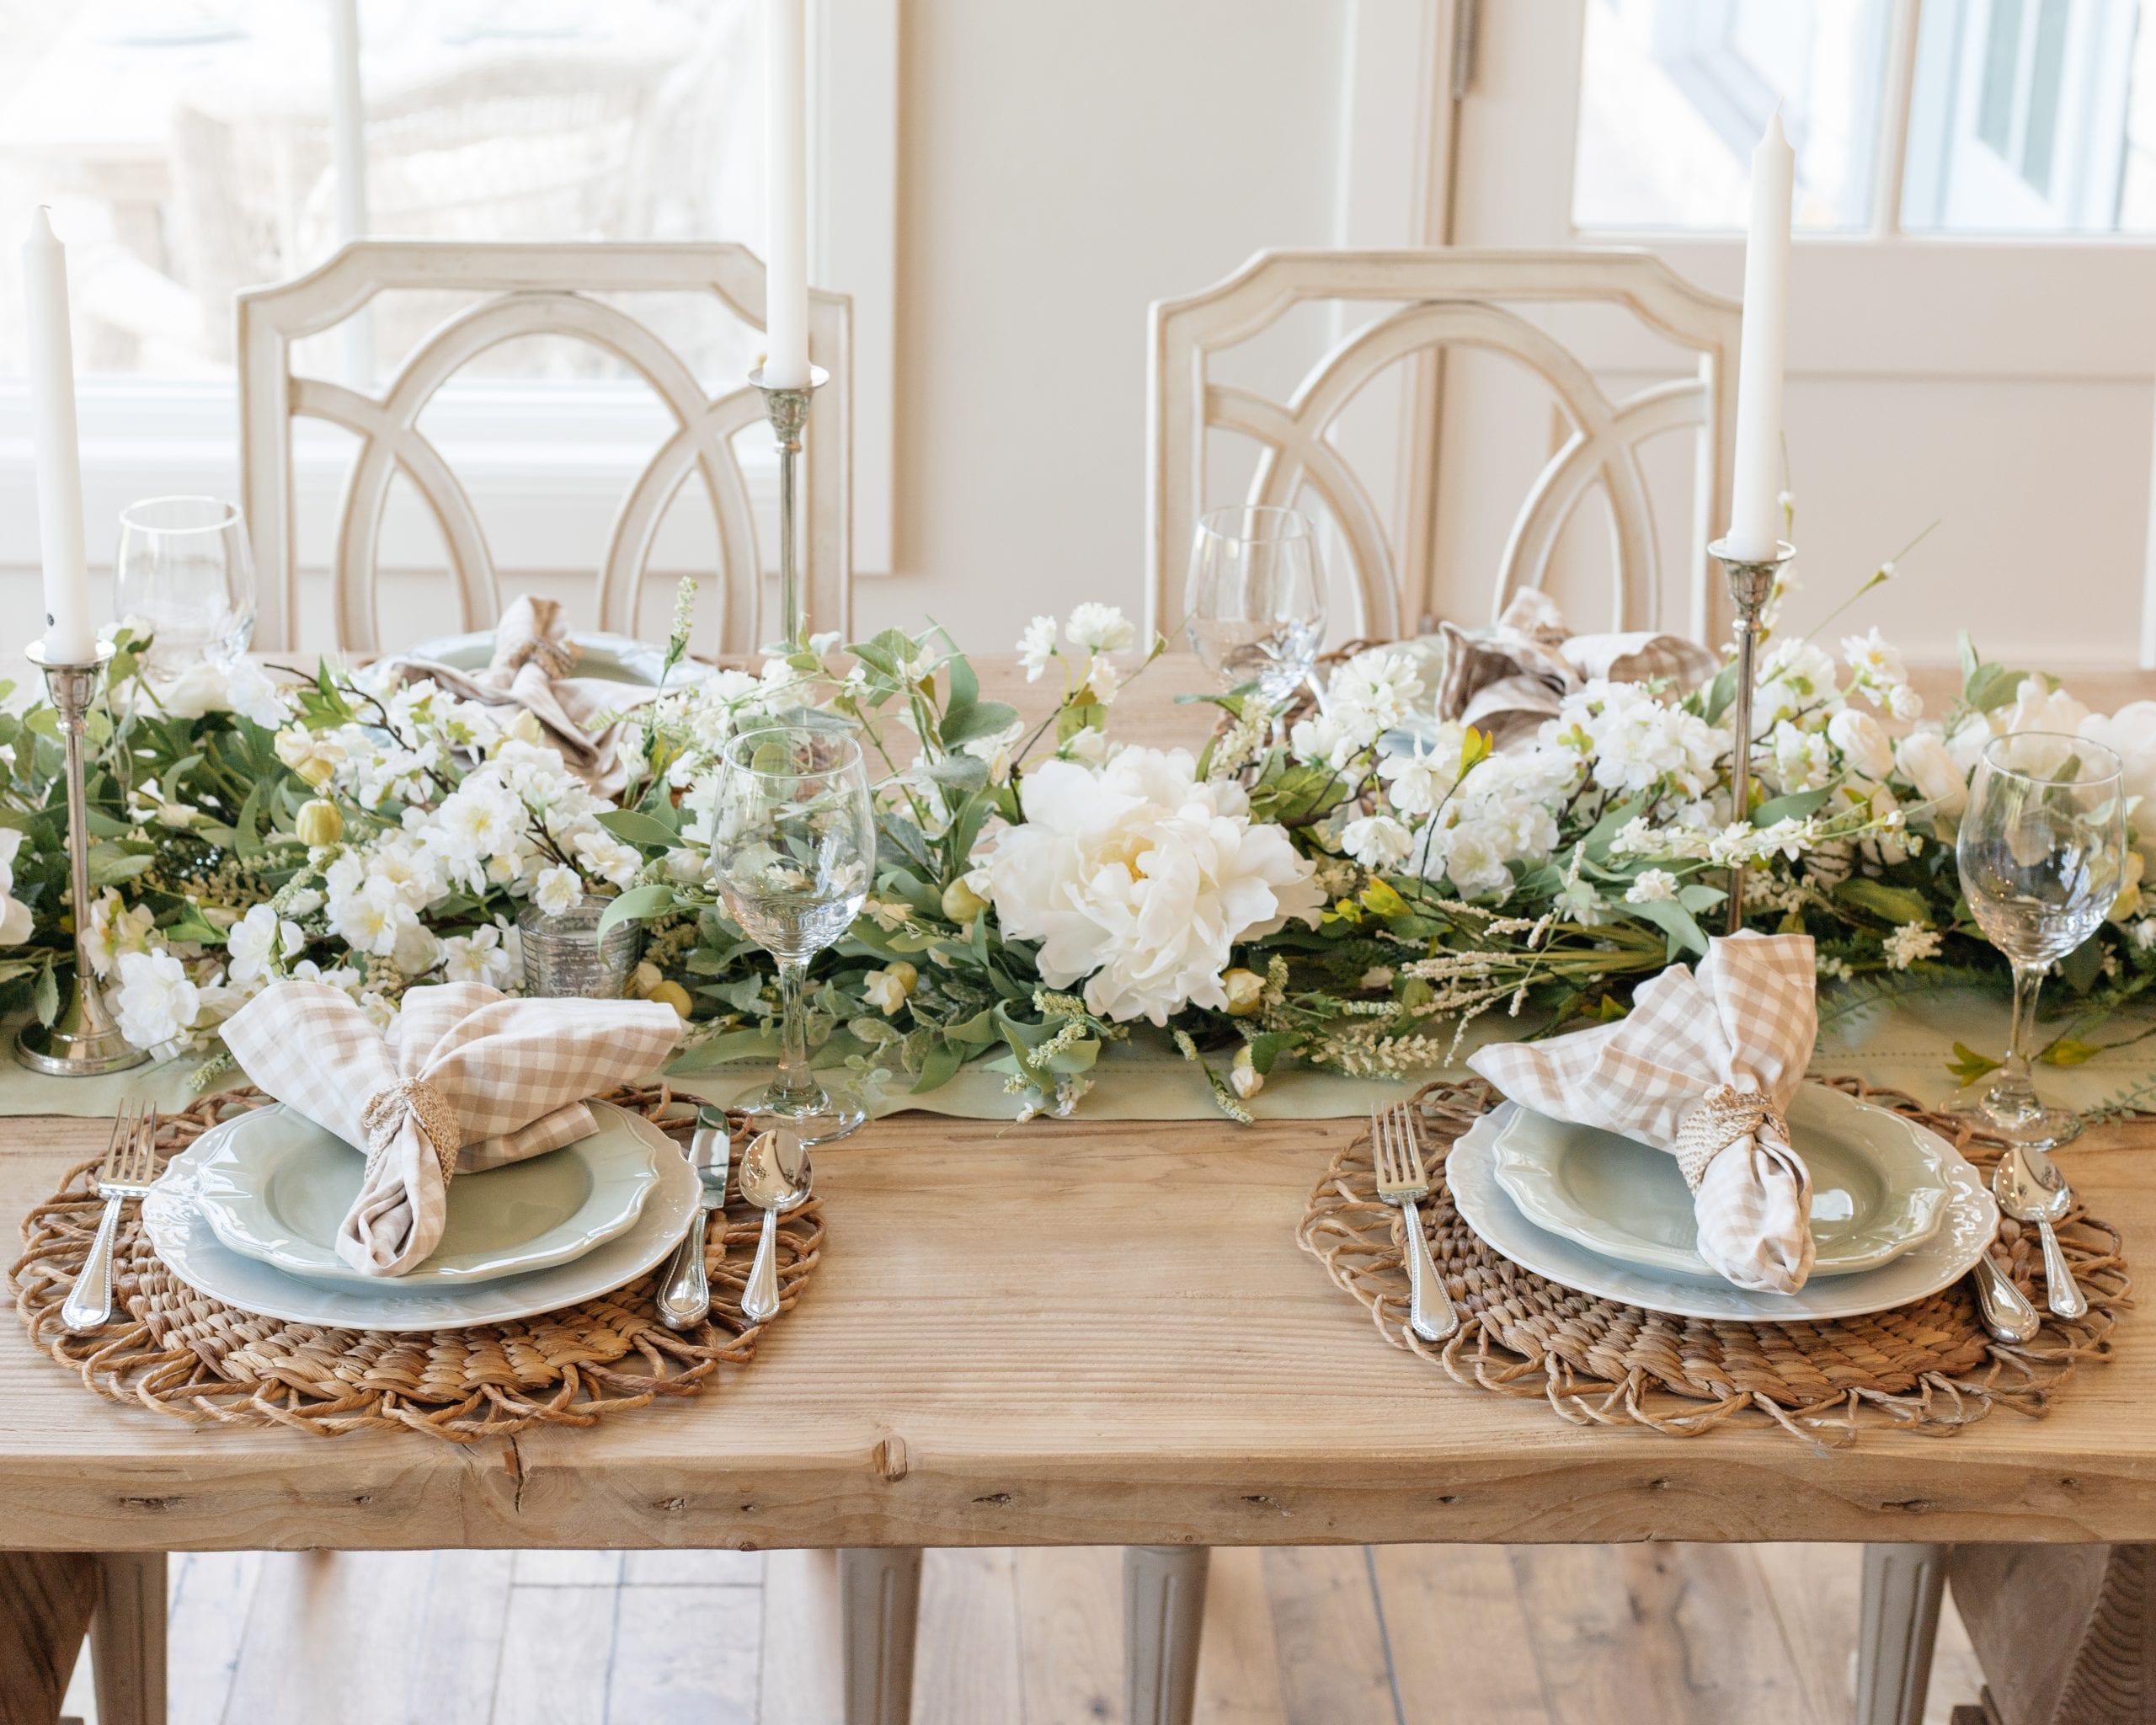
(533, 658)
(1701, 1067)
(465, 1078)
(1509, 681)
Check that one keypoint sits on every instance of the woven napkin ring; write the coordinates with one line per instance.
(1717, 1121)
(386, 1110)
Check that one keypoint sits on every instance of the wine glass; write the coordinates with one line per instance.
(185, 573)
(794, 856)
(1256, 604)
(2043, 852)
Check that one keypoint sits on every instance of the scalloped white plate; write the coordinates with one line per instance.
(1878, 1186)
(190, 1248)
(1966, 1229)
(276, 1186)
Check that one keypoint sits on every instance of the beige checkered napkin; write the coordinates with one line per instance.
(1702, 1067)
(464, 1079)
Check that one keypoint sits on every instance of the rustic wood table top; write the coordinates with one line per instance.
(1071, 1333)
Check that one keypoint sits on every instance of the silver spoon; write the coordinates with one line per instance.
(764, 1184)
(2030, 1188)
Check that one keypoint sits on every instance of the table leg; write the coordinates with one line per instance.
(1896, 1627)
(879, 1604)
(127, 1638)
(2065, 1634)
(1163, 1620)
(46, 1601)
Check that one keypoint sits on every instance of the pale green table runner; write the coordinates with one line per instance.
(1906, 1046)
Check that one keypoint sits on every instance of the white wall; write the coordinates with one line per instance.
(1061, 168)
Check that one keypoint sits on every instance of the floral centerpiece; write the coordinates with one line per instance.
(1354, 896)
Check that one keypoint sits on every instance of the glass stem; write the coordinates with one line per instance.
(2013, 1085)
(794, 1078)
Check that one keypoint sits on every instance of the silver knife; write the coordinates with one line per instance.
(685, 1290)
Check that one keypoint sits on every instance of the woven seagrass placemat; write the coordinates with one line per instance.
(1930, 1366)
(182, 1353)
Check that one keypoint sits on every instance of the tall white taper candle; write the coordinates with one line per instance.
(69, 638)
(785, 195)
(1755, 514)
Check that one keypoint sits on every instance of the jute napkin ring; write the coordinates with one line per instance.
(385, 1111)
(1720, 1118)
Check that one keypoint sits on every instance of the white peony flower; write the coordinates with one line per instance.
(1140, 878)
(1923, 761)
(558, 890)
(2130, 734)
(157, 1000)
(1377, 841)
(1036, 647)
(1100, 628)
(1863, 743)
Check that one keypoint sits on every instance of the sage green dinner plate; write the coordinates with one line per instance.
(276, 1186)
(1878, 1186)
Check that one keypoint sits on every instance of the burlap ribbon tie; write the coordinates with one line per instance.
(385, 1113)
(1720, 1118)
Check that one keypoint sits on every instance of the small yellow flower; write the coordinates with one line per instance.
(318, 823)
(1246, 991)
(961, 903)
(886, 990)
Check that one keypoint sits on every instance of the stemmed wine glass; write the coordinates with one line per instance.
(2042, 851)
(794, 857)
(185, 572)
(1256, 602)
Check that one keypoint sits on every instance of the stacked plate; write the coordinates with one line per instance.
(1897, 1214)
(249, 1214)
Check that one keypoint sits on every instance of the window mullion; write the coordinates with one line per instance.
(1891, 154)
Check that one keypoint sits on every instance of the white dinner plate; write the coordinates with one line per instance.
(608, 658)
(276, 1186)
(190, 1248)
(1878, 1186)
(1966, 1228)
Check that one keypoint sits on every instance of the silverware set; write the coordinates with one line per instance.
(775, 1178)
(1395, 1142)
(128, 1168)
(2029, 1187)
(685, 1288)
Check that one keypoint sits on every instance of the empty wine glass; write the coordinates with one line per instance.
(1257, 603)
(794, 856)
(185, 573)
(2043, 852)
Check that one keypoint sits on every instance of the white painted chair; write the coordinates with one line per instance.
(530, 290)
(1453, 298)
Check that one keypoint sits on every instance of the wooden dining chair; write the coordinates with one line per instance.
(1445, 299)
(527, 290)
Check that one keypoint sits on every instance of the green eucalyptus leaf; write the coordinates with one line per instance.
(640, 904)
(637, 829)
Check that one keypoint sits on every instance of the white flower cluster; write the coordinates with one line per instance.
(1376, 691)
(1097, 631)
(1140, 878)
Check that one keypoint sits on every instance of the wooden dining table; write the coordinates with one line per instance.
(1100, 1333)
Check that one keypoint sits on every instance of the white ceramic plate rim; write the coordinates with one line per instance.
(239, 1211)
(1971, 1222)
(1529, 1177)
(191, 1250)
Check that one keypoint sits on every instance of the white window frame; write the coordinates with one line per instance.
(546, 463)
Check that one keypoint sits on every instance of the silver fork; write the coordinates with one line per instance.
(1395, 1146)
(131, 1165)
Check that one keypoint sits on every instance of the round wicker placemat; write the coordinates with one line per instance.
(1930, 1366)
(184, 1354)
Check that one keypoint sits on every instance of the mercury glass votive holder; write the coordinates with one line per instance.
(564, 955)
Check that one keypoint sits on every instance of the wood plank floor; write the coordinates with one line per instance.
(1399, 1635)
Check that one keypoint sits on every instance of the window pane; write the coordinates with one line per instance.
(185, 146)
(2033, 119)
(1675, 94)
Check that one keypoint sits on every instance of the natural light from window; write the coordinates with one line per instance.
(2025, 116)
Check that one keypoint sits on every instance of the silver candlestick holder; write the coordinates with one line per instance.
(1751, 585)
(82, 1042)
(788, 410)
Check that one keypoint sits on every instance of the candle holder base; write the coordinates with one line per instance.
(72, 1047)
